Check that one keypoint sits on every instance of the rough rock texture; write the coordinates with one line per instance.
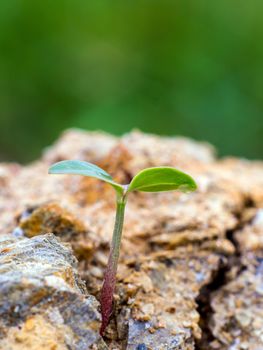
(178, 250)
(50, 217)
(237, 321)
(164, 311)
(42, 299)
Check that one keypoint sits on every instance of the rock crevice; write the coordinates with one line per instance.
(184, 257)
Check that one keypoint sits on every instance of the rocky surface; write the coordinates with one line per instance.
(42, 299)
(237, 319)
(186, 258)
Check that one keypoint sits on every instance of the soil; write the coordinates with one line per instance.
(191, 266)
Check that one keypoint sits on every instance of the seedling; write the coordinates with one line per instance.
(148, 180)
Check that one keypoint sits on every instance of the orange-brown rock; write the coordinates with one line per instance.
(51, 217)
(177, 249)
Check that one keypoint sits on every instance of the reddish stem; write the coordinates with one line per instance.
(107, 292)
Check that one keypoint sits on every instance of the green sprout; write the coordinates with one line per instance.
(155, 179)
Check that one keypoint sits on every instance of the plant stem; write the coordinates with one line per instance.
(109, 282)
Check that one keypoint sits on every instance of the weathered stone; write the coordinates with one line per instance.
(163, 312)
(180, 237)
(51, 217)
(73, 144)
(250, 237)
(43, 302)
(237, 321)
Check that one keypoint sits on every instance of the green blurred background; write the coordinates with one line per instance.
(174, 67)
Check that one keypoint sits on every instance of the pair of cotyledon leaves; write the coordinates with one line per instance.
(155, 179)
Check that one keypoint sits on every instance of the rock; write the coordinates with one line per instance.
(43, 302)
(51, 217)
(73, 144)
(250, 237)
(237, 321)
(174, 245)
(163, 313)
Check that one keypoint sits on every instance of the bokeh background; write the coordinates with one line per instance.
(174, 67)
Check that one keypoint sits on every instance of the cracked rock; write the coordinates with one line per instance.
(174, 244)
(237, 320)
(43, 302)
(163, 314)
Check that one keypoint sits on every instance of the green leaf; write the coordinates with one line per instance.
(77, 167)
(162, 179)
